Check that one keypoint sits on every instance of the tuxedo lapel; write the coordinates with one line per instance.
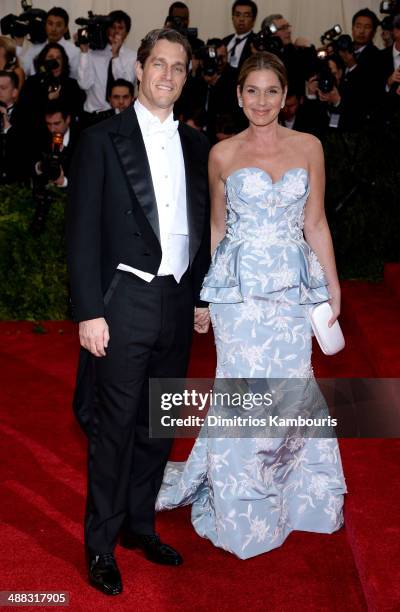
(194, 192)
(132, 155)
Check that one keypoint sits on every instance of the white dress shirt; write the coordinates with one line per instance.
(70, 49)
(164, 153)
(93, 71)
(235, 58)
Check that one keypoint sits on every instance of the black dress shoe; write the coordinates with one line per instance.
(152, 547)
(104, 574)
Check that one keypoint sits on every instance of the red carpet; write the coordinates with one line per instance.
(43, 465)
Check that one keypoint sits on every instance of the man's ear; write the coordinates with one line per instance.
(138, 70)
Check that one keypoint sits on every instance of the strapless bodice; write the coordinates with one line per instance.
(264, 252)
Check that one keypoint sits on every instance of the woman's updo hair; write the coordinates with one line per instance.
(263, 61)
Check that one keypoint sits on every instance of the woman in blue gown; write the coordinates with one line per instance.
(272, 260)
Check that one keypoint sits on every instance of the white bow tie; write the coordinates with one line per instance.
(168, 127)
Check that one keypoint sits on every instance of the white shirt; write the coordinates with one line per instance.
(93, 70)
(70, 49)
(235, 58)
(164, 153)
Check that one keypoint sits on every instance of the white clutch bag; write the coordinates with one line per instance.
(330, 339)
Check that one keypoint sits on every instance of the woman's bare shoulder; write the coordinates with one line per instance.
(223, 151)
(304, 141)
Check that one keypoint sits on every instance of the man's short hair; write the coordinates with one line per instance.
(57, 11)
(12, 76)
(123, 83)
(54, 106)
(366, 12)
(268, 21)
(118, 16)
(150, 40)
(177, 5)
(249, 3)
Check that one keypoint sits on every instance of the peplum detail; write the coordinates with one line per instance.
(263, 254)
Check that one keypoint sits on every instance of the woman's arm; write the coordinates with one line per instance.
(316, 229)
(217, 196)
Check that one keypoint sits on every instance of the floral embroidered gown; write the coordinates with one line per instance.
(248, 494)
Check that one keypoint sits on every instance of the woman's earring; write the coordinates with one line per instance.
(240, 102)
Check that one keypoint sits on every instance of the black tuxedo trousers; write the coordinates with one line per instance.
(150, 328)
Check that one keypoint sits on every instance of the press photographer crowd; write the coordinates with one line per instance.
(54, 83)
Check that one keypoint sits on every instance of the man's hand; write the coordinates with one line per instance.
(312, 86)
(6, 122)
(201, 320)
(333, 97)
(60, 181)
(394, 78)
(94, 336)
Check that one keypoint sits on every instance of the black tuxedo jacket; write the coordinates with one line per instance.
(112, 213)
(246, 49)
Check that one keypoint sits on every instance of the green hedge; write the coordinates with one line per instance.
(33, 276)
(363, 175)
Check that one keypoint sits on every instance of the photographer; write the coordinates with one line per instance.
(122, 95)
(56, 26)
(13, 165)
(390, 61)
(347, 100)
(9, 60)
(304, 115)
(178, 19)
(52, 82)
(212, 89)
(244, 15)
(297, 59)
(54, 150)
(99, 68)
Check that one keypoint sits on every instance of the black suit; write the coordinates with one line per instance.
(14, 150)
(112, 218)
(246, 52)
(392, 99)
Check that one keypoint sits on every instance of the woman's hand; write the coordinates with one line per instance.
(54, 94)
(334, 301)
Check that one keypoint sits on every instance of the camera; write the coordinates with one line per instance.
(209, 60)
(176, 23)
(325, 79)
(50, 164)
(94, 32)
(331, 34)
(32, 23)
(46, 77)
(266, 40)
(390, 7)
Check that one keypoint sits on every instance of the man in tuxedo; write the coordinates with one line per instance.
(138, 243)
(244, 14)
(14, 165)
